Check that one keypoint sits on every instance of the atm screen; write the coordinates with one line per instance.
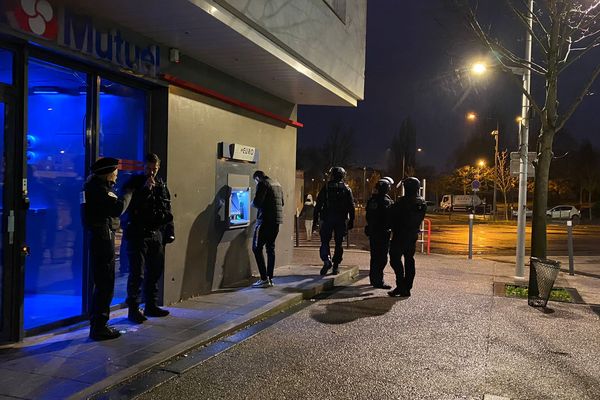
(239, 207)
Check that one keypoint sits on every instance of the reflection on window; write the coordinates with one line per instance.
(122, 128)
(55, 175)
(6, 67)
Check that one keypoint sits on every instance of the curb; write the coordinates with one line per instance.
(274, 307)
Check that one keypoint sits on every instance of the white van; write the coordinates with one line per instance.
(460, 202)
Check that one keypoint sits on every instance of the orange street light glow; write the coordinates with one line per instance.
(479, 68)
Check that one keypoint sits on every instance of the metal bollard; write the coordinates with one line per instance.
(570, 246)
(470, 236)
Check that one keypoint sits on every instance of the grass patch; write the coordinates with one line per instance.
(556, 294)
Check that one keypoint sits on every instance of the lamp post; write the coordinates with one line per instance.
(472, 116)
(479, 69)
(495, 135)
(364, 186)
(523, 149)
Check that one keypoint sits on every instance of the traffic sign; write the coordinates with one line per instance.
(475, 185)
(515, 161)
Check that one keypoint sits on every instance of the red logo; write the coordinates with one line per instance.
(37, 17)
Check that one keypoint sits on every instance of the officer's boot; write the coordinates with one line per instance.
(326, 266)
(152, 310)
(336, 269)
(135, 314)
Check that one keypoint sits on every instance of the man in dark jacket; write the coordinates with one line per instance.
(334, 213)
(269, 202)
(101, 209)
(406, 217)
(378, 231)
(149, 226)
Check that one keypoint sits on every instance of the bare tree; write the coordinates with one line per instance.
(339, 145)
(504, 180)
(564, 32)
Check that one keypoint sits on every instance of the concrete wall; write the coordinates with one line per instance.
(204, 255)
(311, 31)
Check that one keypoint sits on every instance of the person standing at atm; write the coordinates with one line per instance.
(101, 209)
(269, 202)
(149, 227)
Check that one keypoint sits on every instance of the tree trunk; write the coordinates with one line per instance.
(590, 202)
(540, 200)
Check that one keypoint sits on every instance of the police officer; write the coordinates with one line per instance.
(269, 202)
(378, 230)
(149, 227)
(101, 209)
(406, 217)
(334, 214)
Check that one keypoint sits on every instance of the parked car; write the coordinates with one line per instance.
(564, 212)
(528, 213)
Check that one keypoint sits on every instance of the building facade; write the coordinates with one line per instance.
(211, 86)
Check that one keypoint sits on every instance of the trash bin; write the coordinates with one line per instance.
(542, 274)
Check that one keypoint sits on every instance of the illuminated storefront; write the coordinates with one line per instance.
(82, 79)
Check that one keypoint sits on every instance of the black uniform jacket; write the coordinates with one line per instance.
(101, 207)
(269, 201)
(406, 216)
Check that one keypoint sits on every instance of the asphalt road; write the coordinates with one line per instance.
(450, 235)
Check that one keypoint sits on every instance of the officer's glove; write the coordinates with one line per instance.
(367, 230)
(169, 239)
(350, 225)
(315, 226)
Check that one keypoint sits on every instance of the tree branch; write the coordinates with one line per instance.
(563, 119)
(523, 17)
(583, 52)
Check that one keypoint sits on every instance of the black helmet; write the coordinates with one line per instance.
(337, 173)
(411, 186)
(384, 184)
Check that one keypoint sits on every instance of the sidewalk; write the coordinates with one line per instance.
(68, 364)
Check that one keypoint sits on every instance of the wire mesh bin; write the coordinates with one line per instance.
(542, 274)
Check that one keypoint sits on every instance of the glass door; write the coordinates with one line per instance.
(122, 127)
(8, 301)
(56, 150)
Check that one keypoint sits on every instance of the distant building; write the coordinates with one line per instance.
(212, 87)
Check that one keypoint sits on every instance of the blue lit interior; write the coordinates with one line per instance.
(55, 173)
(2, 110)
(239, 207)
(6, 71)
(122, 127)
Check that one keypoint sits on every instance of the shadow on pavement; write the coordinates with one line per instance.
(343, 312)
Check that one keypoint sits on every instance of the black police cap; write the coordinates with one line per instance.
(105, 165)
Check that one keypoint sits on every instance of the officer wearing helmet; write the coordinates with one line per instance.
(378, 230)
(334, 214)
(406, 216)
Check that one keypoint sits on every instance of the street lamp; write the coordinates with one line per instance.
(495, 135)
(523, 143)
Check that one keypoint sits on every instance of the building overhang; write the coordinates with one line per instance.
(204, 31)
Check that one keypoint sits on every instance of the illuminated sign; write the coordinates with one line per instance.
(81, 34)
(240, 152)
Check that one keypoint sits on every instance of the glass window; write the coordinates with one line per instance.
(55, 173)
(122, 131)
(1, 209)
(6, 67)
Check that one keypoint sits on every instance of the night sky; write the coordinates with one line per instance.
(414, 50)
